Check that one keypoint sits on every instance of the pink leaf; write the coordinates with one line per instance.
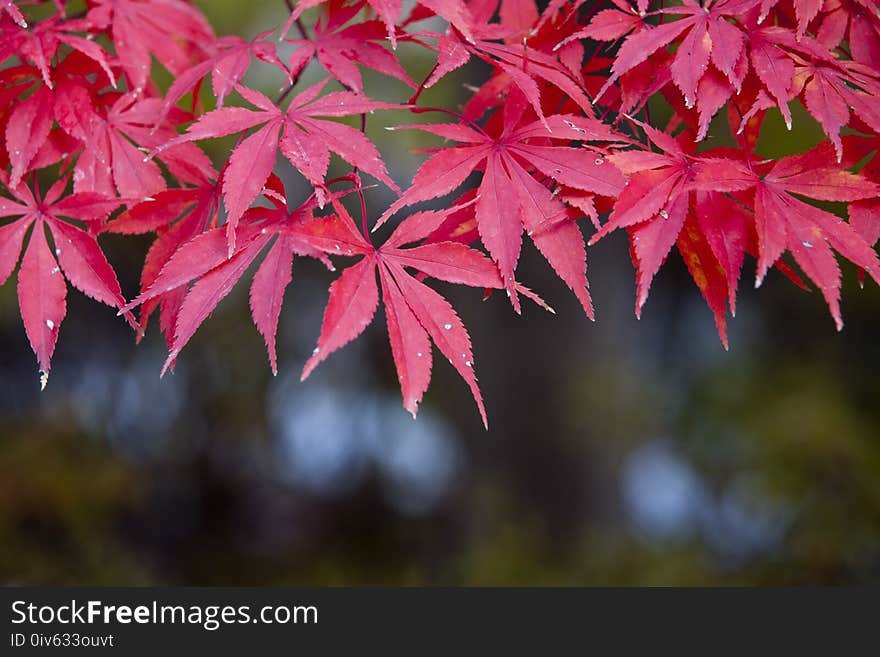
(85, 265)
(410, 346)
(354, 297)
(207, 292)
(249, 167)
(42, 296)
(445, 328)
(267, 293)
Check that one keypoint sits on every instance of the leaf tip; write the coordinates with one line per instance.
(169, 362)
(310, 365)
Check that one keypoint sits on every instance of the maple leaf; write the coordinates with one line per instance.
(455, 11)
(853, 21)
(176, 216)
(39, 44)
(655, 180)
(784, 222)
(708, 35)
(190, 247)
(28, 119)
(662, 184)
(340, 49)
(831, 89)
(519, 66)
(42, 291)
(27, 113)
(304, 139)
(676, 199)
(788, 66)
(607, 25)
(721, 49)
(112, 160)
(416, 314)
(27, 129)
(227, 66)
(510, 161)
(172, 31)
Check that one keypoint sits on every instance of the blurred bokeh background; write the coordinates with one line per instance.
(620, 452)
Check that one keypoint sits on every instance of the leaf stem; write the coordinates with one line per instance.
(356, 178)
(286, 92)
(415, 97)
(299, 26)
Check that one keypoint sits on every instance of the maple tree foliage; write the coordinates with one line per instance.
(560, 130)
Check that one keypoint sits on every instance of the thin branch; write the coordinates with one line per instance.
(360, 190)
(286, 92)
(299, 26)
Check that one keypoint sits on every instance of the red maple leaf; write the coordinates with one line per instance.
(455, 11)
(227, 66)
(27, 114)
(784, 222)
(656, 208)
(415, 313)
(302, 137)
(40, 43)
(529, 66)
(42, 291)
(176, 216)
(709, 35)
(340, 49)
(855, 22)
(510, 162)
(115, 130)
(658, 203)
(186, 252)
(722, 50)
(172, 31)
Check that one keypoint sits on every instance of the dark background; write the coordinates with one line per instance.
(620, 452)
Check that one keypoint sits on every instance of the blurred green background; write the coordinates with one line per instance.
(620, 452)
